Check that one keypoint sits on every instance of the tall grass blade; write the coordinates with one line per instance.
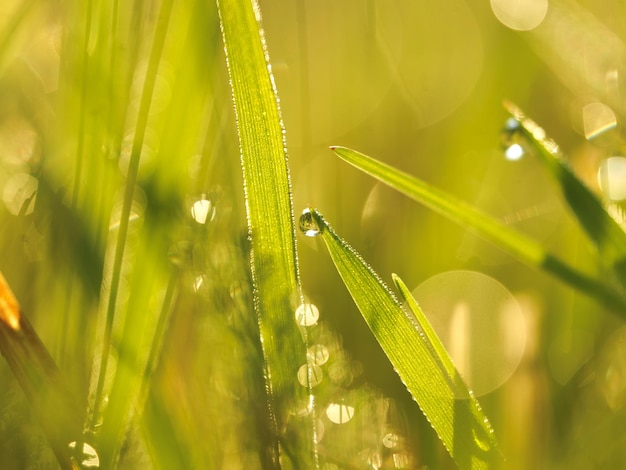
(523, 248)
(417, 357)
(269, 210)
(605, 232)
(39, 378)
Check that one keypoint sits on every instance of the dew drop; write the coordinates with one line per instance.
(339, 413)
(307, 314)
(313, 378)
(317, 354)
(308, 226)
(203, 210)
(89, 457)
(512, 140)
(481, 440)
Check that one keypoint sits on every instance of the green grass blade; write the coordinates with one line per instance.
(516, 244)
(417, 357)
(269, 209)
(40, 379)
(605, 232)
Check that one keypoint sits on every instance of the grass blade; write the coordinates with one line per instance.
(269, 209)
(417, 357)
(605, 232)
(39, 378)
(523, 248)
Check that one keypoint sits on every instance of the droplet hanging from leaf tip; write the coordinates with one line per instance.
(308, 225)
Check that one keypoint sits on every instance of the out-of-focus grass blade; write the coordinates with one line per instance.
(268, 206)
(39, 378)
(418, 358)
(518, 245)
(608, 236)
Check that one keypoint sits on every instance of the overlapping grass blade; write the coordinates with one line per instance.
(39, 377)
(417, 356)
(269, 209)
(605, 232)
(523, 248)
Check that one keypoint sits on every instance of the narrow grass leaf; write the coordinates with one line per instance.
(417, 357)
(523, 248)
(39, 377)
(605, 232)
(268, 208)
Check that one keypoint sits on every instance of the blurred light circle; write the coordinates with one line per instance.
(339, 413)
(480, 324)
(612, 178)
(19, 194)
(597, 119)
(521, 15)
(568, 352)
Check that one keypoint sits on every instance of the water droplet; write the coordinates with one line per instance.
(512, 140)
(89, 457)
(390, 440)
(202, 210)
(317, 354)
(308, 226)
(310, 374)
(307, 314)
(339, 413)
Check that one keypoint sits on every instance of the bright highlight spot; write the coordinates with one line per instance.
(307, 314)
(520, 15)
(202, 210)
(339, 414)
(307, 224)
(597, 118)
(612, 178)
(90, 457)
(9, 308)
(390, 440)
(514, 152)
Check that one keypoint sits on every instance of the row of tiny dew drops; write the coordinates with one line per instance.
(597, 122)
(311, 374)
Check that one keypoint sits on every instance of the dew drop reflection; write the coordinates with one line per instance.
(520, 15)
(390, 440)
(597, 119)
(339, 413)
(479, 322)
(307, 224)
(307, 314)
(612, 178)
(512, 140)
(19, 194)
(202, 210)
(310, 375)
(89, 457)
(317, 354)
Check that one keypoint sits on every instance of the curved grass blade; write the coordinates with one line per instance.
(39, 378)
(523, 248)
(269, 211)
(417, 357)
(605, 232)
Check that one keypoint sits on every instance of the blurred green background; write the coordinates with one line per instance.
(418, 84)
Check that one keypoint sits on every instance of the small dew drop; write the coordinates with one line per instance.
(307, 314)
(89, 457)
(339, 413)
(310, 375)
(512, 140)
(308, 226)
